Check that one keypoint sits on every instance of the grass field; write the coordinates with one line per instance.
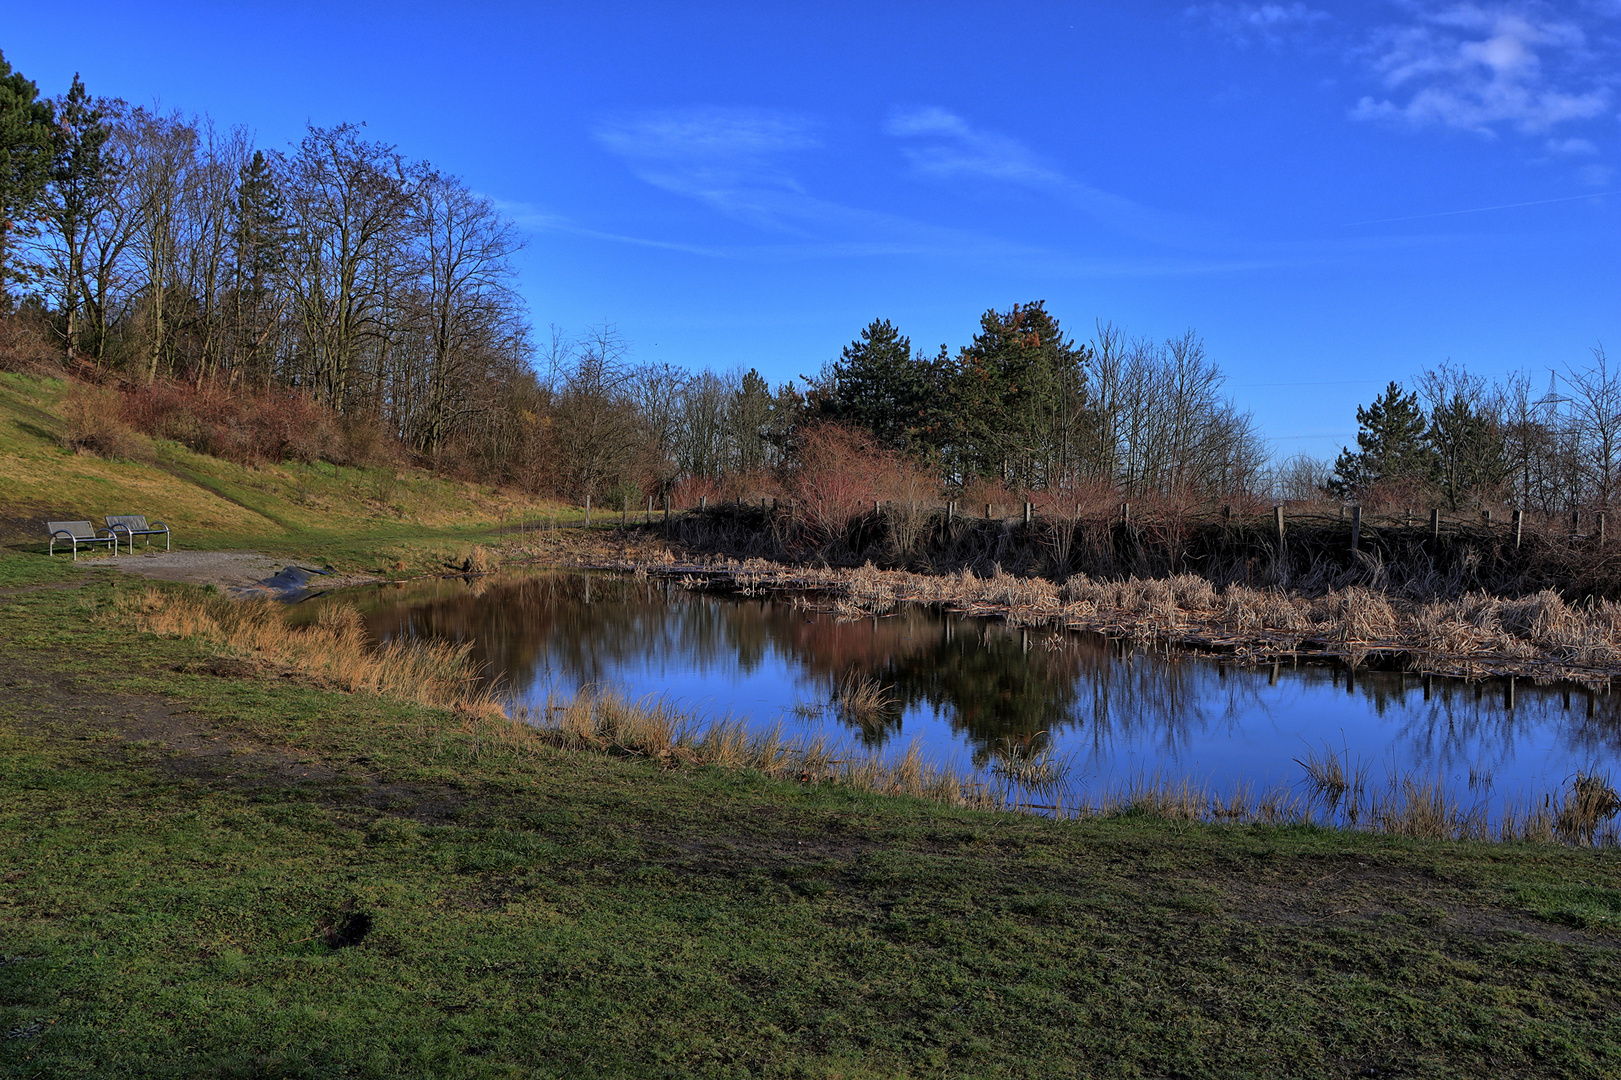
(347, 516)
(221, 867)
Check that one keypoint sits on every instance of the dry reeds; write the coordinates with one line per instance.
(862, 698)
(334, 648)
(1541, 635)
(607, 723)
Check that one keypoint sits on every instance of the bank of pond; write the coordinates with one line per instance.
(1054, 720)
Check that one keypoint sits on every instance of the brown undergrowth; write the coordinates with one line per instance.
(335, 647)
(1542, 636)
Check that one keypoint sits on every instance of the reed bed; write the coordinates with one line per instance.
(1542, 635)
(1335, 792)
(605, 722)
(335, 648)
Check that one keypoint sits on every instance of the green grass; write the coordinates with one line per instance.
(353, 517)
(164, 883)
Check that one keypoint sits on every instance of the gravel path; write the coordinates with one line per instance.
(234, 572)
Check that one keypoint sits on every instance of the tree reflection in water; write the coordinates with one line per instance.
(990, 685)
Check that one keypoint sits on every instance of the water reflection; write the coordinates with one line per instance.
(978, 687)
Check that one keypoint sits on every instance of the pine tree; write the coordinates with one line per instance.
(1391, 445)
(25, 167)
(1009, 395)
(877, 384)
(81, 179)
(260, 242)
(1468, 449)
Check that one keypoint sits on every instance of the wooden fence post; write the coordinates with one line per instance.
(624, 511)
(1519, 518)
(650, 510)
(588, 511)
(1575, 523)
(666, 509)
(703, 502)
(1125, 514)
(1435, 526)
(1486, 518)
(1027, 512)
(1277, 521)
(1356, 527)
(987, 511)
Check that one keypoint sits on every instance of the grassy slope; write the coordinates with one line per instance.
(353, 514)
(539, 913)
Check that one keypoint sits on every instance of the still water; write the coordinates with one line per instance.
(971, 689)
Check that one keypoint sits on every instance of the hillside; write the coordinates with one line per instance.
(210, 502)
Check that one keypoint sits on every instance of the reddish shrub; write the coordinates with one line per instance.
(836, 470)
(272, 424)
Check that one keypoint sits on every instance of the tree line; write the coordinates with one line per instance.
(1462, 441)
(159, 246)
(153, 246)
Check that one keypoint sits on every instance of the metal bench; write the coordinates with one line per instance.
(130, 526)
(80, 533)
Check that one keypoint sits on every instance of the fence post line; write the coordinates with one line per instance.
(1519, 517)
(1435, 525)
(1356, 527)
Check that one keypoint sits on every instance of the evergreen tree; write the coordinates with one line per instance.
(1010, 393)
(81, 180)
(25, 167)
(1468, 448)
(1391, 445)
(260, 242)
(877, 384)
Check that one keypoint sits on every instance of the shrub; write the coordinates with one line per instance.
(249, 427)
(92, 425)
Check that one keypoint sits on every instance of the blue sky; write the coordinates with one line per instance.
(1333, 195)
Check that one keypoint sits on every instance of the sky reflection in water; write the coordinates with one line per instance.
(968, 688)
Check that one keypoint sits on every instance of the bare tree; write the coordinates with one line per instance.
(349, 200)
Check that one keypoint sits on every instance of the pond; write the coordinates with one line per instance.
(973, 690)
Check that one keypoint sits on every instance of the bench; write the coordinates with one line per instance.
(130, 526)
(80, 533)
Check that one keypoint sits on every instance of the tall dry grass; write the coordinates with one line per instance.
(607, 723)
(335, 647)
(1542, 635)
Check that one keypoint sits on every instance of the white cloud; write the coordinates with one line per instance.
(1595, 176)
(946, 146)
(1572, 147)
(943, 146)
(1270, 24)
(1479, 68)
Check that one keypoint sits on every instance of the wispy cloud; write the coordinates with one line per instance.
(941, 145)
(1482, 68)
(1266, 24)
(734, 160)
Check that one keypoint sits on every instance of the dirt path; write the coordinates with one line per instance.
(236, 573)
